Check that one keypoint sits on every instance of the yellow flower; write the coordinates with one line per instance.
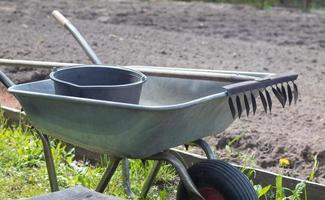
(284, 162)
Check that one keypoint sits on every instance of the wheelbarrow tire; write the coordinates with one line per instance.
(218, 180)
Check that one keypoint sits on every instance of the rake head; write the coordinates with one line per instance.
(282, 86)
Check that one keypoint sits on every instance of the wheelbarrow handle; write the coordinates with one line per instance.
(5, 80)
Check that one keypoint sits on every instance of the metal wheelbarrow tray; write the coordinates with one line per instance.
(177, 106)
(172, 111)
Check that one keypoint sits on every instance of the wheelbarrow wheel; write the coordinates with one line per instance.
(218, 180)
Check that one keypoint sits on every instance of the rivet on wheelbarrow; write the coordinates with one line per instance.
(295, 92)
(268, 98)
(232, 107)
(263, 100)
(289, 94)
(278, 96)
(239, 108)
(284, 93)
(247, 108)
(253, 102)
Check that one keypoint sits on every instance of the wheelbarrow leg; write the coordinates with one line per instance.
(154, 171)
(49, 162)
(157, 164)
(151, 177)
(126, 178)
(110, 170)
(182, 172)
(205, 147)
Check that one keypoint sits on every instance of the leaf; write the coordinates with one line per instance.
(279, 188)
(163, 194)
(264, 191)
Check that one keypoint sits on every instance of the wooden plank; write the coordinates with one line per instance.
(13, 115)
(74, 193)
(315, 191)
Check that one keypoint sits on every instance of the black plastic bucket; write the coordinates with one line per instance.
(99, 82)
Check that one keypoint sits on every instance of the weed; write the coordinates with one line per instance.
(312, 174)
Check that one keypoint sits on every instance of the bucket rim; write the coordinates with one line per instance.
(142, 77)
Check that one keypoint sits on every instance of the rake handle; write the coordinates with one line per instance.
(261, 83)
(77, 35)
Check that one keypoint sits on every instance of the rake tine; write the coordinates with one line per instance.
(280, 92)
(263, 101)
(295, 92)
(247, 108)
(284, 93)
(289, 93)
(268, 98)
(253, 102)
(278, 96)
(239, 108)
(232, 107)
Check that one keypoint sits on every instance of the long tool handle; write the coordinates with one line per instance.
(188, 73)
(77, 35)
(5, 80)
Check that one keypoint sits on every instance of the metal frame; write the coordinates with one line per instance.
(49, 162)
(110, 170)
(170, 156)
(181, 170)
(158, 163)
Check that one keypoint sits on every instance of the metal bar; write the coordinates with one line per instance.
(110, 170)
(203, 74)
(49, 162)
(182, 172)
(126, 178)
(34, 64)
(179, 157)
(195, 75)
(49, 64)
(205, 147)
(154, 171)
(210, 71)
(151, 177)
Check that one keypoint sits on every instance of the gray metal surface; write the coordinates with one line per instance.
(99, 82)
(171, 112)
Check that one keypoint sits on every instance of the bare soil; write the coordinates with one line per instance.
(194, 35)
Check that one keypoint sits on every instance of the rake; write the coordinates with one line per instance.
(282, 86)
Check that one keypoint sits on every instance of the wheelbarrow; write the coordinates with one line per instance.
(177, 107)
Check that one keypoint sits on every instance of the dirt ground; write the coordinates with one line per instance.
(193, 35)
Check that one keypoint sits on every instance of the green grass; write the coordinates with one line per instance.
(23, 170)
